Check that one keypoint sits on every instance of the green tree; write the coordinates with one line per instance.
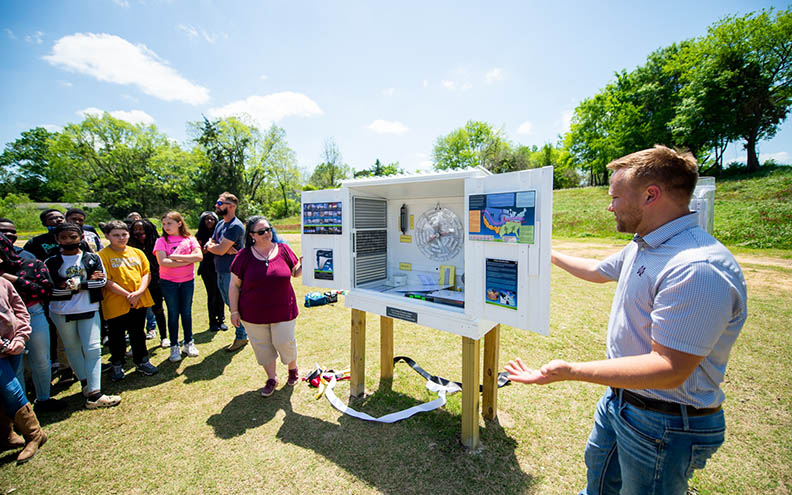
(739, 78)
(380, 170)
(277, 163)
(469, 146)
(331, 170)
(123, 166)
(26, 169)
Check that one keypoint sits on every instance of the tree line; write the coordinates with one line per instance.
(733, 84)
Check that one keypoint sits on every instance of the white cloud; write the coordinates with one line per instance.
(454, 86)
(494, 75)
(52, 127)
(387, 127)
(64, 83)
(35, 38)
(113, 59)
(525, 128)
(121, 3)
(270, 108)
(134, 117)
(566, 120)
(193, 32)
(10, 34)
(780, 157)
(388, 91)
(263, 77)
(425, 83)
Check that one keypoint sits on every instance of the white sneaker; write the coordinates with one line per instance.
(175, 354)
(103, 401)
(165, 343)
(190, 349)
(150, 335)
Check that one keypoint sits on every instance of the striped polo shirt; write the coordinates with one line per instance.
(683, 289)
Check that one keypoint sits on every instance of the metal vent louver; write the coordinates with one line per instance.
(370, 245)
(369, 214)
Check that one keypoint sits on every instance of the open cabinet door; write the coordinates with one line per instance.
(325, 239)
(507, 248)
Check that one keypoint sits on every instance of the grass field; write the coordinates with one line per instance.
(199, 426)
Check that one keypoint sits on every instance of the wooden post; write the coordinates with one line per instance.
(470, 392)
(386, 348)
(357, 368)
(489, 400)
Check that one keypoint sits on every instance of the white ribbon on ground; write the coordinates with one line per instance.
(441, 391)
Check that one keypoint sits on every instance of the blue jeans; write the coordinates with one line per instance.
(223, 281)
(632, 451)
(151, 321)
(38, 354)
(11, 395)
(178, 297)
(82, 342)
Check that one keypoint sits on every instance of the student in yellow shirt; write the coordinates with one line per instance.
(126, 298)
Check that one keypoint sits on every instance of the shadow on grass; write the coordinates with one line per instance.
(210, 367)
(422, 454)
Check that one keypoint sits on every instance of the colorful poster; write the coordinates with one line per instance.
(324, 264)
(501, 283)
(502, 217)
(322, 218)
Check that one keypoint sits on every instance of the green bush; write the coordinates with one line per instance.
(20, 209)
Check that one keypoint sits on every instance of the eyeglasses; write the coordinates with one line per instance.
(265, 230)
(221, 203)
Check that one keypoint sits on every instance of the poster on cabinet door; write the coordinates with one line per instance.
(502, 217)
(501, 283)
(322, 218)
(324, 264)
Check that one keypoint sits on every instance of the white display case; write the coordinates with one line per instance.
(387, 240)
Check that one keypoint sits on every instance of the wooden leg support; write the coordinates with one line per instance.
(357, 369)
(386, 348)
(489, 401)
(470, 392)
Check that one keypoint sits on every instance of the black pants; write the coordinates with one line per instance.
(214, 301)
(158, 310)
(133, 322)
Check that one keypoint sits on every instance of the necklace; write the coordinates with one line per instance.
(266, 256)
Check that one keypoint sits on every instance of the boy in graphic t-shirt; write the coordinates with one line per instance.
(126, 298)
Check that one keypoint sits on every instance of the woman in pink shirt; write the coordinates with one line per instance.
(177, 252)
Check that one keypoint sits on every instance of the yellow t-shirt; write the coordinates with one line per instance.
(127, 270)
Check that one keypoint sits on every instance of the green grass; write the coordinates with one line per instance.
(750, 211)
(199, 426)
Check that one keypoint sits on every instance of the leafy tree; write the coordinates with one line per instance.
(123, 166)
(277, 162)
(26, 169)
(332, 170)
(469, 146)
(380, 170)
(739, 80)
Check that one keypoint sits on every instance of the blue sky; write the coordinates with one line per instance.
(383, 80)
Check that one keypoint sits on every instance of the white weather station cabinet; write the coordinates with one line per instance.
(460, 251)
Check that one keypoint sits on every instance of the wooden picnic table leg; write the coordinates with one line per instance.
(357, 368)
(470, 392)
(489, 400)
(386, 348)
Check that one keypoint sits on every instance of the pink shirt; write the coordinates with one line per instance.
(176, 244)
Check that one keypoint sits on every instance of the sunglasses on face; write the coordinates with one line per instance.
(265, 230)
(221, 203)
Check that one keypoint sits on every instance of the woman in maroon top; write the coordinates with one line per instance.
(262, 299)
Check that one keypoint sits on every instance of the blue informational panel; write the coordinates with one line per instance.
(324, 264)
(322, 218)
(502, 217)
(501, 283)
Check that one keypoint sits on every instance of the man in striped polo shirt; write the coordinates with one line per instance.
(679, 305)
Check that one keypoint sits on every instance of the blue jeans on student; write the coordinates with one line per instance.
(11, 395)
(223, 281)
(178, 298)
(151, 321)
(38, 354)
(632, 451)
(82, 342)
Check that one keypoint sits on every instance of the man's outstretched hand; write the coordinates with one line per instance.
(553, 371)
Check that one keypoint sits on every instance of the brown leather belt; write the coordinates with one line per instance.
(662, 406)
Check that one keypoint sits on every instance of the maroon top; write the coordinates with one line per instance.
(266, 295)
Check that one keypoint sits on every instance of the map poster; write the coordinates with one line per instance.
(501, 283)
(324, 264)
(502, 217)
(322, 218)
